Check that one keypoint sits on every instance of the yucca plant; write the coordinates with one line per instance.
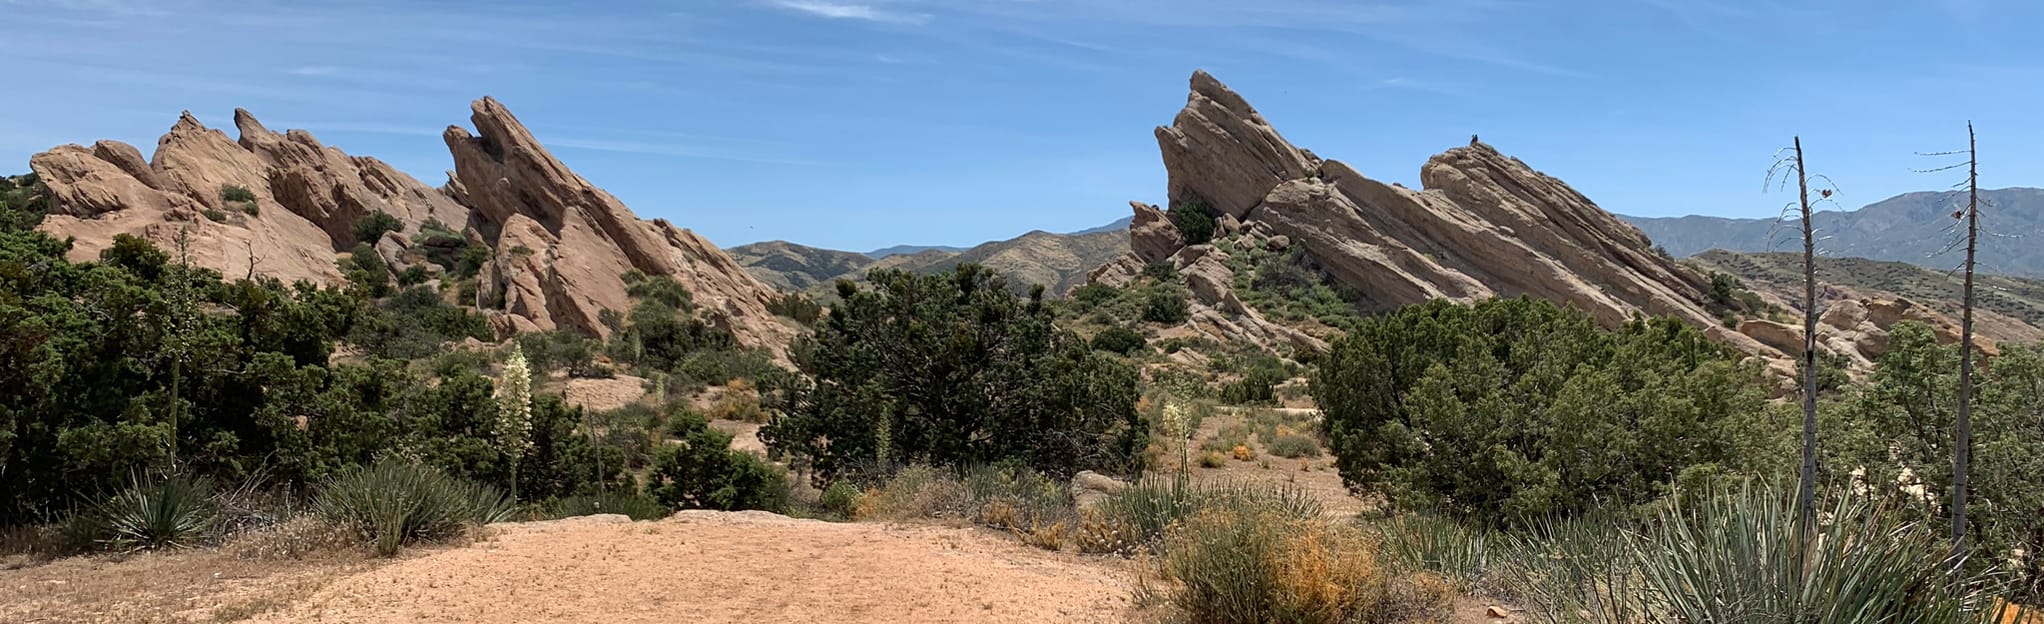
(173, 512)
(392, 503)
(1573, 570)
(1734, 556)
(1431, 542)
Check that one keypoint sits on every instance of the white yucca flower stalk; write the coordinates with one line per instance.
(1176, 424)
(514, 412)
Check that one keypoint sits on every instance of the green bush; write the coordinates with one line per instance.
(213, 215)
(1258, 385)
(1896, 429)
(236, 193)
(841, 499)
(163, 513)
(393, 503)
(1412, 403)
(702, 471)
(370, 228)
(1294, 446)
(631, 504)
(413, 276)
(1120, 340)
(1165, 306)
(367, 271)
(1195, 223)
(797, 307)
(951, 369)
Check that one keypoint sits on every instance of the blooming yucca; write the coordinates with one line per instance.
(514, 412)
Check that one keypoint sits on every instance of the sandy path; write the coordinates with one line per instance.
(726, 567)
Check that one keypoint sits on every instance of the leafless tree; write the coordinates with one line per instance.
(1789, 161)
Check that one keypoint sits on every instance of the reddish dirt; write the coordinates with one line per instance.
(726, 567)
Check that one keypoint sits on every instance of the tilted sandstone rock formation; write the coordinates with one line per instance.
(564, 245)
(1486, 224)
(561, 244)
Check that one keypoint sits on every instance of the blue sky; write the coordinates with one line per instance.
(858, 124)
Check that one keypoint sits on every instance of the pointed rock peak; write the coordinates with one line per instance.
(1205, 84)
(496, 125)
(186, 123)
(248, 126)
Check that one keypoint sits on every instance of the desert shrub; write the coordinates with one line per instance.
(1258, 384)
(635, 505)
(1120, 340)
(797, 307)
(702, 471)
(415, 323)
(1230, 565)
(1092, 295)
(1195, 223)
(236, 193)
(174, 512)
(1294, 446)
(1165, 306)
(393, 503)
(214, 215)
(367, 271)
(370, 227)
(739, 402)
(841, 499)
(1411, 403)
(1893, 434)
(951, 369)
(552, 350)
(413, 276)
(1139, 515)
(1213, 459)
(1161, 272)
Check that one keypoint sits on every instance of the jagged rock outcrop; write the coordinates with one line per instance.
(561, 245)
(1485, 224)
(1151, 235)
(1222, 153)
(564, 245)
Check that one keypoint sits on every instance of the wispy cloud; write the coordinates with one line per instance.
(669, 149)
(839, 10)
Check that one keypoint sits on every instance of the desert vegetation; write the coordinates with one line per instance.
(152, 404)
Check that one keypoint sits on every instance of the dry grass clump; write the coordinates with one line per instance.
(1229, 565)
(292, 539)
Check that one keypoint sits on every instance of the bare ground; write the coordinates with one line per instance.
(726, 567)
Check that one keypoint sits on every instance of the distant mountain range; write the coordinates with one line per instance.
(1917, 228)
(906, 250)
(1058, 261)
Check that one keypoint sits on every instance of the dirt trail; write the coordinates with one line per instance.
(726, 567)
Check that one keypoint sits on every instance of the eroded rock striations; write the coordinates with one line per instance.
(1485, 225)
(561, 244)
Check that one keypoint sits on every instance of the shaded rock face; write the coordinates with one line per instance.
(1151, 234)
(564, 245)
(1485, 225)
(561, 244)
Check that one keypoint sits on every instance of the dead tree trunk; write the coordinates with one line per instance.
(1962, 426)
(1806, 493)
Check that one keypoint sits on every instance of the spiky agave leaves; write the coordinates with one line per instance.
(164, 513)
(1734, 556)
